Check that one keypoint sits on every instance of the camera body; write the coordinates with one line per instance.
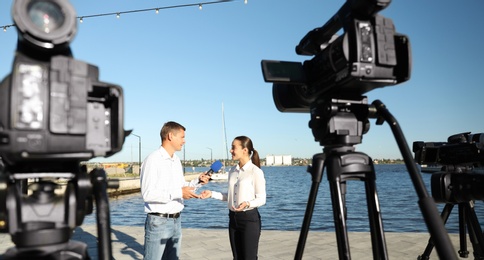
(57, 111)
(460, 149)
(368, 55)
(461, 178)
(54, 112)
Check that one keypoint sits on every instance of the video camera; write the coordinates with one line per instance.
(54, 114)
(368, 55)
(53, 109)
(460, 149)
(461, 178)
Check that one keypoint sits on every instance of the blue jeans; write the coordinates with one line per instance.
(162, 238)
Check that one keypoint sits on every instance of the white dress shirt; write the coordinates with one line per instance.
(161, 182)
(245, 184)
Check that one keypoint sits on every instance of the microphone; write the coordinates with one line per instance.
(215, 167)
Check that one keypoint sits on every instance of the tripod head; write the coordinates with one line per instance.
(340, 122)
(39, 220)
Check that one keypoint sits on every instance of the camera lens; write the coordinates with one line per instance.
(46, 24)
(46, 16)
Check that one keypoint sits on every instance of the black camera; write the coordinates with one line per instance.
(460, 149)
(460, 160)
(54, 114)
(54, 111)
(368, 55)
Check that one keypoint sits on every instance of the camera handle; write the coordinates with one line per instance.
(467, 217)
(431, 216)
(340, 124)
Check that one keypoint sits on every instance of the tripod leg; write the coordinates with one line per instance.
(337, 198)
(475, 231)
(463, 252)
(445, 216)
(375, 218)
(317, 174)
(100, 185)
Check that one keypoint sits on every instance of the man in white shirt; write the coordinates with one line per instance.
(164, 188)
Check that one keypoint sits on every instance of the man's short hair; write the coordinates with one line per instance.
(170, 127)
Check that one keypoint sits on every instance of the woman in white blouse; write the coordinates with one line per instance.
(246, 192)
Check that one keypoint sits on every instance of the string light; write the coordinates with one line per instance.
(156, 9)
(5, 27)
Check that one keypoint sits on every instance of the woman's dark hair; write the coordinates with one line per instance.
(247, 143)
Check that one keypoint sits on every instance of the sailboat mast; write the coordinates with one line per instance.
(224, 136)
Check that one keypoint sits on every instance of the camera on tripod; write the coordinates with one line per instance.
(54, 114)
(461, 178)
(368, 55)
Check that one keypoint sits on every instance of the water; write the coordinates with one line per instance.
(287, 195)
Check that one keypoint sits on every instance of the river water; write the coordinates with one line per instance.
(287, 195)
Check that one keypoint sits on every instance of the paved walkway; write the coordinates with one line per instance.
(212, 244)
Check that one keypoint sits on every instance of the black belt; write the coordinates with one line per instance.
(243, 211)
(176, 215)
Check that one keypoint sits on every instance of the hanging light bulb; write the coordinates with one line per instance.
(118, 14)
(245, 1)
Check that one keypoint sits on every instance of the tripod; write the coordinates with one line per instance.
(41, 224)
(467, 218)
(338, 125)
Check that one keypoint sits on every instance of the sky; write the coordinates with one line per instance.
(182, 64)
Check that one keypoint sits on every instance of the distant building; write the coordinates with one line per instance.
(278, 160)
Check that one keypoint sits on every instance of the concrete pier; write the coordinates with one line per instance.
(213, 244)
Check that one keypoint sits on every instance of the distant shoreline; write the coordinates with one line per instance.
(132, 185)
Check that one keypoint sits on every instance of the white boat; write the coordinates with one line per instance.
(220, 176)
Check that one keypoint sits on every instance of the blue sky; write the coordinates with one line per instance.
(183, 63)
